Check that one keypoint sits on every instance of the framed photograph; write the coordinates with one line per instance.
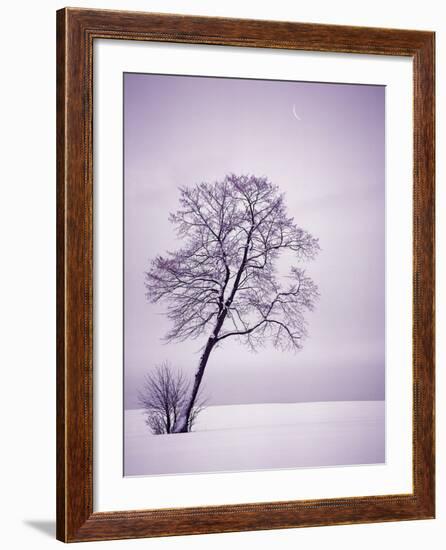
(245, 275)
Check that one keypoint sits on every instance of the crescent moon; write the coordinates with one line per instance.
(296, 116)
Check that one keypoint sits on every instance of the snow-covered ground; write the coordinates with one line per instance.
(261, 436)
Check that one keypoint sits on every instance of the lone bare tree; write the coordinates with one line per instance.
(163, 397)
(223, 282)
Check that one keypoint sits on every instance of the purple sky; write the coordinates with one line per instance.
(183, 130)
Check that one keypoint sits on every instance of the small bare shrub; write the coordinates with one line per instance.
(164, 397)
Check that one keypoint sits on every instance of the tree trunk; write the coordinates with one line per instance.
(168, 426)
(183, 423)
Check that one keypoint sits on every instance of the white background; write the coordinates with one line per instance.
(114, 492)
(28, 272)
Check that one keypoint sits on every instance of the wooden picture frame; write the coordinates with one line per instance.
(76, 31)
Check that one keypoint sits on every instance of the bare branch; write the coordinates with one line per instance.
(233, 231)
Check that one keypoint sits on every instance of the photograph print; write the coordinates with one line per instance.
(254, 274)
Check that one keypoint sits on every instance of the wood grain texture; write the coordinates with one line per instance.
(76, 31)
